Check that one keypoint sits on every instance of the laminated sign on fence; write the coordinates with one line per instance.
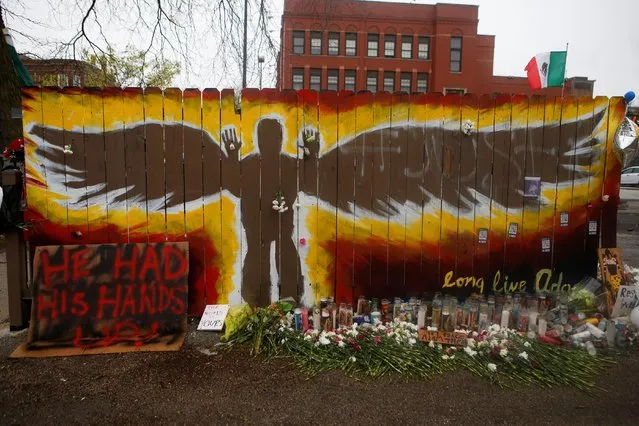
(108, 298)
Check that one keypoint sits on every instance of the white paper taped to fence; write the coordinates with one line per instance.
(213, 317)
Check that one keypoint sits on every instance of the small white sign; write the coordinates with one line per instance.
(626, 301)
(592, 227)
(213, 317)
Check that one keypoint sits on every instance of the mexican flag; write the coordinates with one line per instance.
(546, 70)
(23, 75)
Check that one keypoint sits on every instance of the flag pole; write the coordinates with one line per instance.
(563, 82)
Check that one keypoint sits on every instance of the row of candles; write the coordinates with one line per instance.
(521, 311)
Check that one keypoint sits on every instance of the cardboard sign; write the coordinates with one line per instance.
(611, 273)
(443, 337)
(626, 301)
(107, 298)
(213, 317)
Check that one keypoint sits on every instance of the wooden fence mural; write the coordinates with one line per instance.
(387, 194)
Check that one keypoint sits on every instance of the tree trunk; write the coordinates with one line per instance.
(9, 93)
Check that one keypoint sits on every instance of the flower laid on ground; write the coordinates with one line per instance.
(395, 348)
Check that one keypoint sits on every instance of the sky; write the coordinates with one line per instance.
(603, 39)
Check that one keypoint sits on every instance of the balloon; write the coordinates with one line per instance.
(629, 96)
(634, 316)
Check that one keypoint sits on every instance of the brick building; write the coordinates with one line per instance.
(60, 72)
(358, 45)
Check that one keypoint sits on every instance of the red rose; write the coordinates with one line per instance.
(16, 144)
(6, 154)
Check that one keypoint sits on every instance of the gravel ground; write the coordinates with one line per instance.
(203, 384)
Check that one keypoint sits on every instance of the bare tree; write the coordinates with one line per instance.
(184, 30)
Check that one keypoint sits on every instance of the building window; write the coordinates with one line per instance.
(333, 44)
(373, 45)
(389, 46)
(456, 54)
(298, 78)
(316, 79)
(423, 48)
(77, 80)
(351, 44)
(404, 82)
(298, 42)
(331, 79)
(389, 81)
(371, 81)
(422, 82)
(407, 47)
(349, 80)
(316, 43)
(63, 80)
(454, 91)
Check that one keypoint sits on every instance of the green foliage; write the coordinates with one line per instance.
(131, 68)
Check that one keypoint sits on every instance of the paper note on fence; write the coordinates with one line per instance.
(213, 317)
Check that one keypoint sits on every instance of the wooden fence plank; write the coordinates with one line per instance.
(52, 114)
(363, 192)
(214, 286)
(232, 249)
(450, 185)
(134, 145)
(484, 186)
(548, 189)
(346, 153)
(595, 181)
(499, 200)
(534, 166)
(580, 164)
(563, 253)
(414, 173)
(194, 199)
(75, 166)
(156, 188)
(94, 141)
(257, 275)
(397, 186)
(35, 156)
(287, 255)
(174, 159)
(380, 142)
(327, 189)
(308, 188)
(433, 164)
(513, 267)
(116, 179)
(467, 181)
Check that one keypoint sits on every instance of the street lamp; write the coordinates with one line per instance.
(260, 61)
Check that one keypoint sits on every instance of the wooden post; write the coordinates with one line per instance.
(16, 264)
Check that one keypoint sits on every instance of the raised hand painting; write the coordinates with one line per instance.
(386, 195)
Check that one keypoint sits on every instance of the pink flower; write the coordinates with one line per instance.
(303, 241)
(377, 339)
